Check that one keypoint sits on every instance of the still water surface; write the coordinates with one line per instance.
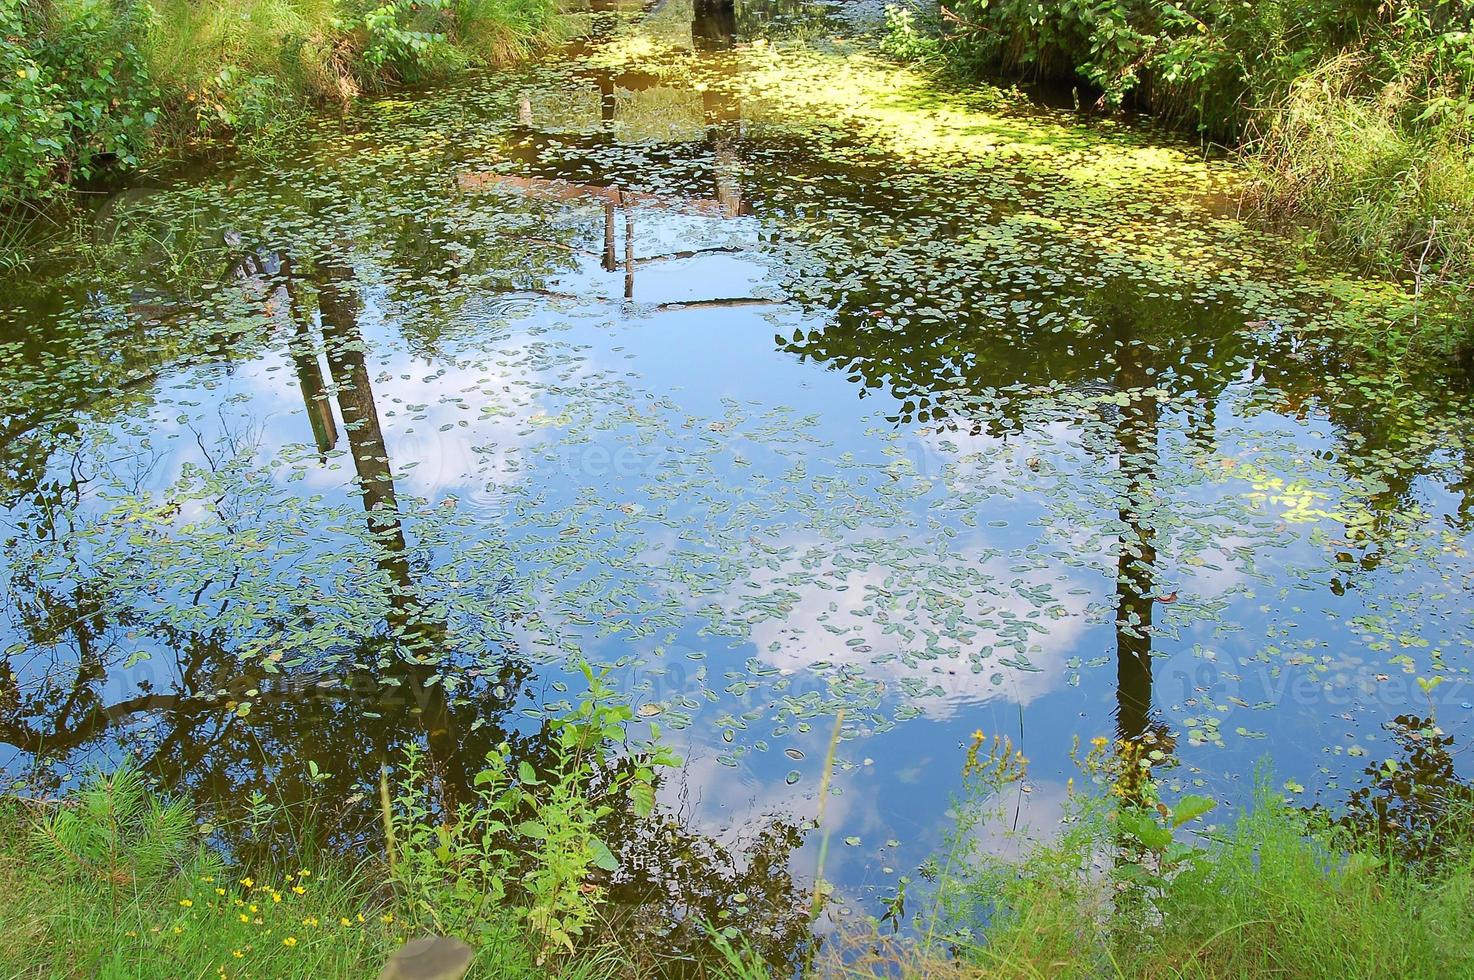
(780, 380)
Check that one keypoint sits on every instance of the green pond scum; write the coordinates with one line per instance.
(802, 396)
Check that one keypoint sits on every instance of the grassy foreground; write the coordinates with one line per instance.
(114, 882)
(1135, 885)
(92, 84)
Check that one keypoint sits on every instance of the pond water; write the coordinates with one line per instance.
(786, 383)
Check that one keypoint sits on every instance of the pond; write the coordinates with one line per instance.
(794, 387)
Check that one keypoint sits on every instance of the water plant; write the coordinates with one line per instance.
(529, 836)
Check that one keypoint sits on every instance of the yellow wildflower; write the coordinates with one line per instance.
(386, 917)
(237, 954)
(289, 941)
(311, 920)
(276, 896)
(186, 902)
(220, 891)
(248, 882)
(299, 889)
(245, 917)
(343, 921)
(305, 874)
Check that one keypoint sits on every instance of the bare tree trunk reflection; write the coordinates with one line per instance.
(420, 638)
(309, 371)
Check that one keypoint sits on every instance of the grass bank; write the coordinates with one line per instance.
(1141, 883)
(92, 85)
(115, 880)
(1135, 882)
(1356, 119)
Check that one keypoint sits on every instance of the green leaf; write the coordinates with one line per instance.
(1190, 808)
(1139, 825)
(642, 798)
(603, 857)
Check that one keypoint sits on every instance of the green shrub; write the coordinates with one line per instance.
(78, 94)
(95, 83)
(529, 836)
(1357, 119)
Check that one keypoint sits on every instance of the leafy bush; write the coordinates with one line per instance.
(78, 93)
(528, 836)
(906, 40)
(1196, 62)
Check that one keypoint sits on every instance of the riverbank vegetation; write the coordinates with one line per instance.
(92, 84)
(1135, 882)
(115, 876)
(1356, 119)
(1140, 882)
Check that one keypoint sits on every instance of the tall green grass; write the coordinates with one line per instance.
(1383, 171)
(1128, 888)
(113, 882)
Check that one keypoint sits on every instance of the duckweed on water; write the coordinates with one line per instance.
(781, 402)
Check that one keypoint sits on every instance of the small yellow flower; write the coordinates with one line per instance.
(299, 889)
(132, 934)
(276, 896)
(255, 907)
(220, 891)
(289, 941)
(386, 918)
(208, 879)
(178, 930)
(245, 917)
(977, 735)
(343, 921)
(305, 874)
(248, 882)
(311, 920)
(186, 902)
(361, 918)
(237, 954)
